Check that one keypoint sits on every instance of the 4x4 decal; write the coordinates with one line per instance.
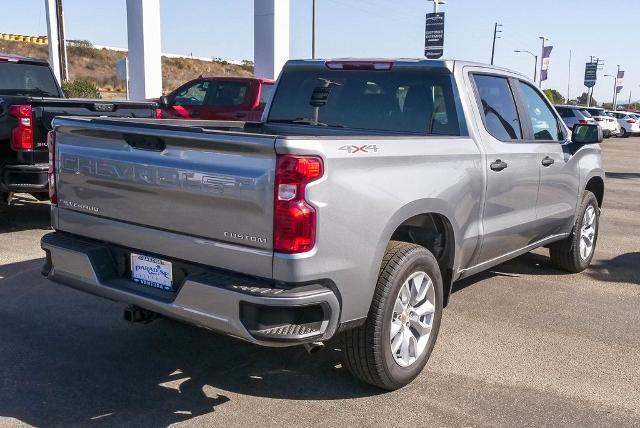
(365, 148)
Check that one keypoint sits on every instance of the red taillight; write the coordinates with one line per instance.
(599, 119)
(583, 122)
(51, 145)
(631, 121)
(159, 113)
(22, 134)
(294, 218)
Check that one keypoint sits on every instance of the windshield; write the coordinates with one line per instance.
(27, 79)
(414, 101)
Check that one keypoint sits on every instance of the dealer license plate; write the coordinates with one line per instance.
(151, 272)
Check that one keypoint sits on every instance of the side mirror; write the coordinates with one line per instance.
(164, 102)
(586, 134)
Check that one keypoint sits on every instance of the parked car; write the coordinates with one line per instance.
(574, 115)
(30, 98)
(369, 189)
(609, 124)
(618, 132)
(218, 98)
(629, 123)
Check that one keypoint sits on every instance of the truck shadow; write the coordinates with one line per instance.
(622, 268)
(25, 213)
(69, 359)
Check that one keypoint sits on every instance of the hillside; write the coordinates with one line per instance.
(98, 65)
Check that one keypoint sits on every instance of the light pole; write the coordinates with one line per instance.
(613, 101)
(535, 62)
(544, 39)
(313, 30)
(436, 3)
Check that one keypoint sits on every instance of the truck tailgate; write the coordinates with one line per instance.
(211, 185)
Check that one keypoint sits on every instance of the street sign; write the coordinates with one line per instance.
(434, 35)
(590, 74)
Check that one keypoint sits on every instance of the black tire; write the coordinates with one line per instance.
(4, 202)
(565, 254)
(624, 133)
(367, 349)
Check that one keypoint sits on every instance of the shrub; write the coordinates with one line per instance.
(82, 48)
(80, 88)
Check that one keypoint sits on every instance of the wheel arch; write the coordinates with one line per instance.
(429, 223)
(595, 185)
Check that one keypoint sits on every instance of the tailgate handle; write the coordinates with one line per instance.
(145, 142)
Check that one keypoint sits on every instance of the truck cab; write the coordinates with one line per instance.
(218, 98)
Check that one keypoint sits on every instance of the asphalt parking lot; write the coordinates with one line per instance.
(524, 344)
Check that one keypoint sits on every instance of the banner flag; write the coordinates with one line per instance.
(546, 53)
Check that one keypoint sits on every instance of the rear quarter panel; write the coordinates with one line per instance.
(364, 196)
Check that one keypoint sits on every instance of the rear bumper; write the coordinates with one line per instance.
(232, 304)
(24, 178)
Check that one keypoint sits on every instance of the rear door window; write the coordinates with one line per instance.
(543, 120)
(407, 100)
(498, 107)
(227, 93)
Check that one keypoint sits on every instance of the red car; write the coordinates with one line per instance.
(217, 98)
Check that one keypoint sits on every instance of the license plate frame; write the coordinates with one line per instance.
(151, 272)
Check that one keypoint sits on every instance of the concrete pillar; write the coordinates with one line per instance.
(143, 33)
(52, 34)
(270, 36)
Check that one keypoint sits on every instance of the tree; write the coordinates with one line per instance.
(583, 99)
(554, 96)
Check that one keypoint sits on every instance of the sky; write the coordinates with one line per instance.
(381, 28)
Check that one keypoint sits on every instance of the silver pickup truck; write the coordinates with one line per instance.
(366, 191)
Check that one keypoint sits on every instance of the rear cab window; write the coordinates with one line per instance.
(27, 80)
(400, 100)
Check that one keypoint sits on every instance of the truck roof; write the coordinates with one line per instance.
(408, 62)
(4, 57)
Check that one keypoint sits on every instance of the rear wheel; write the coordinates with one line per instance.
(624, 133)
(4, 201)
(392, 347)
(574, 254)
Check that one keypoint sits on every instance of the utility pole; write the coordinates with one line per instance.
(495, 36)
(569, 79)
(313, 30)
(62, 45)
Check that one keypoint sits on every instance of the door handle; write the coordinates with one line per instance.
(547, 161)
(498, 165)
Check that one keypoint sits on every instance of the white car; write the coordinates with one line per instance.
(628, 121)
(608, 124)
